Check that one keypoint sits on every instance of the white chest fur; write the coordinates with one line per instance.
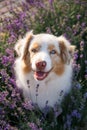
(49, 91)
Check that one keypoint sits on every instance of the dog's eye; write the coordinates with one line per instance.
(52, 52)
(34, 50)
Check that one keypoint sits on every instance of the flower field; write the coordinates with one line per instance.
(57, 17)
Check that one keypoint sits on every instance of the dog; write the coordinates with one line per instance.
(43, 68)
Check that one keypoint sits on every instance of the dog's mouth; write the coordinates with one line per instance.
(40, 75)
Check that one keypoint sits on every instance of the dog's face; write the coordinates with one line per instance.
(43, 54)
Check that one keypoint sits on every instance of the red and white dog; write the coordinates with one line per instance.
(44, 68)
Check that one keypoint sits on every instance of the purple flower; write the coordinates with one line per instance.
(5, 60)
(22, 16)
(82, 43)
(3, 73)
(9, 51)
(76, 68)
(76, 114)
(30, 1)
(81, 56)
(51, 2)
(78, 16)
(33, 126)
(12, 81)
(27, 105)
(68, 28)
(3, 96)
(76, 56)
(13, 105)
(11, 39)
(83, 24)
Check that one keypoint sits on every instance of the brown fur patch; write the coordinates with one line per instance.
(63, 52)
(72, 49)
(57, 60)
(26, 66)
(26, 57)
(36, 46)
(51, 47)
(27, 46)
(59, 68)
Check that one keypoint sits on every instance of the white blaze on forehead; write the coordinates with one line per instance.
(41, 55)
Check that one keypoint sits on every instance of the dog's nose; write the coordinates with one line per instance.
(41, 65)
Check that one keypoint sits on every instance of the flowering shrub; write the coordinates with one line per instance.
(57, 17)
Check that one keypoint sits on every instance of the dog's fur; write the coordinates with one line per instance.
(44, 68)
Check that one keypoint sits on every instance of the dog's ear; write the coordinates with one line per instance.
(22, 45)
(66, 49)
(21, 48)
(72, 50)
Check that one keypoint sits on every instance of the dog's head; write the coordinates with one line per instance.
(44, 53)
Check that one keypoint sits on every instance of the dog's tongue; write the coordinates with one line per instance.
(40, 75)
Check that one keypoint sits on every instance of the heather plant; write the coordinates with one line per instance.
(68, 18)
